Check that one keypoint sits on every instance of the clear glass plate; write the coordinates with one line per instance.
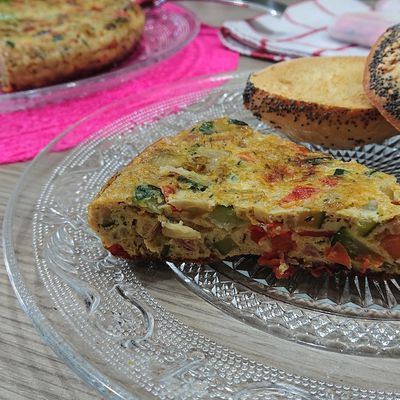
(167, 30)
(143, 330)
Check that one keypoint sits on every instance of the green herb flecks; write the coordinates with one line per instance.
(193, 149)
(10, 43)
(317, 160)
(237, 122)
(149, 196)
(232, 178)
(372, 172)
(58, 37)
(339, 172)
(207, 128)
(85, 42)
(42, 32)
(188, 183)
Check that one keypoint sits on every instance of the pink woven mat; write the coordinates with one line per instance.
(24, 133)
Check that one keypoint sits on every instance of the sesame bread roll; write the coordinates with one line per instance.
(317, 100)
(382, 75)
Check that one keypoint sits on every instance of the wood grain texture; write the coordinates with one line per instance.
(29, 370)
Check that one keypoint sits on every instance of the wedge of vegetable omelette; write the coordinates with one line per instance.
(43, 42)
(222, 189)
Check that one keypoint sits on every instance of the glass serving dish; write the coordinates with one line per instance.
(167, 30)
(143, 329)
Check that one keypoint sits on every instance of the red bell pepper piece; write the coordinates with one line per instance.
(338, 254)
(391, 243)
(300, 193)
(118, 251)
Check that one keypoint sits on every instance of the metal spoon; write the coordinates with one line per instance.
(273, 7)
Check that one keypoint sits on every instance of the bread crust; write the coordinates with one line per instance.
(381, 76)
(331, 126)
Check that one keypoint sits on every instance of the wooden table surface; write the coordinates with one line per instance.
(28, 368)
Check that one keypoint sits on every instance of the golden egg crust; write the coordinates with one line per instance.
(222, 189)
(44, 42)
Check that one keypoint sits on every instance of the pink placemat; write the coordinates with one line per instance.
(24, 133)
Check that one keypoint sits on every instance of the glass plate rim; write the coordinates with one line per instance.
(99, 381)
(135, 70)
(52, 338)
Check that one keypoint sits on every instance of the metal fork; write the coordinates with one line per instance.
(272, 7)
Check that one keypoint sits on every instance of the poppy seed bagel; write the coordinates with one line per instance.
(318, 100)
(382, 75)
